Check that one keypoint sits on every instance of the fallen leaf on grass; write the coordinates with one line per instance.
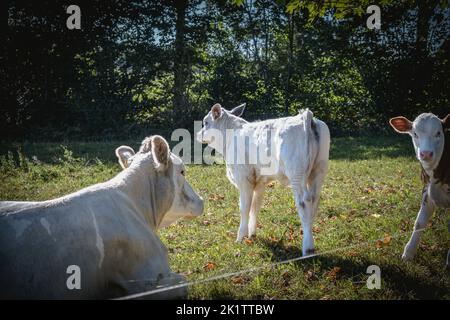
(310, 275)
(209, 266)
(216, 197)
(291, 234)
(248, 241)
(239, 280)
(352, 253)
(333, 273)
(381, 243)
(387, 239)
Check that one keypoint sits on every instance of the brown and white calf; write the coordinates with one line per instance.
(431, 139)
(295, 152)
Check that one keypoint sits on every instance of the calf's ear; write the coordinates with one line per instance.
(124, 153)
(160, 152)
(401, 124)
(446, 122)
(238, 111)
(216, 111)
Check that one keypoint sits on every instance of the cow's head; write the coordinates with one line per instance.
(216, 121)
(173, 195)
(427, 132)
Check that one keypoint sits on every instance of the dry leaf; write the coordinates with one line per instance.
(333, 273)
(310, 275)
(387, 239)
(209, 266)
(352, 253)
(205, 222)
(239, 280)
(291, 234)
(216, 197)
(248, 241)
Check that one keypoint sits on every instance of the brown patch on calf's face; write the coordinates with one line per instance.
(446, 122)
(216, 111)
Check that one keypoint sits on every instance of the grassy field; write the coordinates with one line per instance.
(372, 191)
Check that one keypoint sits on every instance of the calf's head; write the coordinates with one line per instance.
(171, 193)
(428, 135)
(216, 122)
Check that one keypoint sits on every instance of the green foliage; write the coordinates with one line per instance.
(138, 65)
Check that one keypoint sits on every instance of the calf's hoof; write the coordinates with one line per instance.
(240, 236)
(407, 256)
(308, 252)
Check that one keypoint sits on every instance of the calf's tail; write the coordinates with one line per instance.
(308, 122)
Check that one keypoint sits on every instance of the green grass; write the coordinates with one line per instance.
(372, 190)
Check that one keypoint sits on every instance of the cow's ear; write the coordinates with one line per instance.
(124, 154)
(401, 124)
(160, 152)
(238, 111)
(216, 111)
(446, 122)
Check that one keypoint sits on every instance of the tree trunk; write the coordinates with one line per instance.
(287, 88)
(180, 68)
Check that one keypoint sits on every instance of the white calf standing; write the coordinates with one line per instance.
(298, 147)
(431, 139)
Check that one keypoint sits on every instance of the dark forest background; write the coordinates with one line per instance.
(140, 67)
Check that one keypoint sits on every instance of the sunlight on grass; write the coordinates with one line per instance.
(372, 190)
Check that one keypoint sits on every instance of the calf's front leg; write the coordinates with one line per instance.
(257, 200)
(425, 213)
(245, 202)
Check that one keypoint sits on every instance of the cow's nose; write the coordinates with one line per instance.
(426, 155)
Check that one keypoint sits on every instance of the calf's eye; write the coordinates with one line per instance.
(182, 172)
(438, 134)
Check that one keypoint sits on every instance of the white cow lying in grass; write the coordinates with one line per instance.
(431, 139)
(297, 151)
(108, 230)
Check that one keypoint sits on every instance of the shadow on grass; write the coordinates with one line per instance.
(363, 148)
(394, 277)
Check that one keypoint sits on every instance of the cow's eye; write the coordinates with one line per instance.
(438, 134)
